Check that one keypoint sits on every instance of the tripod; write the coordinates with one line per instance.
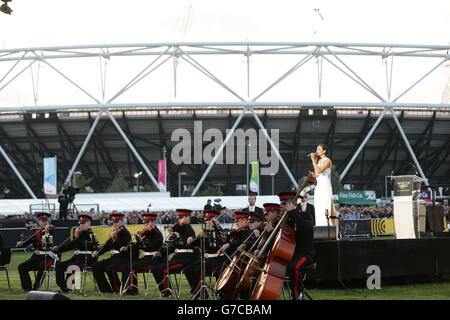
(204, 292)
(131, 285)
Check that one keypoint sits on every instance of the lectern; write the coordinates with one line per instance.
(406, 211)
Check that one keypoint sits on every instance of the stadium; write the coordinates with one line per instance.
(108, 114)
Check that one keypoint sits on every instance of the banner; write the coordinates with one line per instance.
(254, 180)
(360, 227)
(162, 176)
(425, 195)
(102, 232)
(50, 175)
(357, 197)
(382, 227)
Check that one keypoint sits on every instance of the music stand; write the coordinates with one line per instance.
(167, 276)
(131, 285)
(204, 289)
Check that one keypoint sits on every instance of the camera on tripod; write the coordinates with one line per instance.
(70, 193)
(65, 200)
(217, 206)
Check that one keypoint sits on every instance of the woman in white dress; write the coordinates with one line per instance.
(323, 193)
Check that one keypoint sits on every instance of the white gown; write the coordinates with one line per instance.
(323, 195)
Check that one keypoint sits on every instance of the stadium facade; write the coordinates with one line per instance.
(368, 140)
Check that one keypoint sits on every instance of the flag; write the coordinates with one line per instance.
(50, 175)
(254, 179)
(162, 182)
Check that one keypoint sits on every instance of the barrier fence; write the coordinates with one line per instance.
(348, 228)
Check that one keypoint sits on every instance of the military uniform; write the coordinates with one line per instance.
(302, 222)
(150, 242)
(41, 259)
(84, 245)
(237, 238)
(117, 262)
(213, 260)
(184, 254)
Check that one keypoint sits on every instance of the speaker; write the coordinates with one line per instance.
(42, 295)
(325, 233)
(435, 219)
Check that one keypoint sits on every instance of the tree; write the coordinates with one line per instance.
(119, 184)
(148, 188)
(81, 182)
(210, 191)
(335, 180)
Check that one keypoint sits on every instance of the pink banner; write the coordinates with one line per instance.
(162, 175)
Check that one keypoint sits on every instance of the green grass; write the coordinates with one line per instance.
(427, 291)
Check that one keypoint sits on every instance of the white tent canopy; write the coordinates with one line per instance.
(134, 202)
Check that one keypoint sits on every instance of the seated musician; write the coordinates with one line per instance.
(302, 223)
(255, 223)
(181, 235)
(84, 243)
(150, 240)
(118, 242)
(240, 239)
(272, 215)
(213, 260)
(42, 258)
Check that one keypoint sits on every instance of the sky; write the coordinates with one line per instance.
(68, 22)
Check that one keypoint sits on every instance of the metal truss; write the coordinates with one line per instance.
(332, 54)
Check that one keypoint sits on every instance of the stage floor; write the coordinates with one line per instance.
(396, 258)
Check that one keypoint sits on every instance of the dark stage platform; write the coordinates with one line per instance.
(396, 258)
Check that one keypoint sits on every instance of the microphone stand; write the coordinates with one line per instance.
(328, 223)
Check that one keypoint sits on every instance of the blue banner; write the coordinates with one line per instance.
(50, 175)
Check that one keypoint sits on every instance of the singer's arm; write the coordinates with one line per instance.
(317, 170)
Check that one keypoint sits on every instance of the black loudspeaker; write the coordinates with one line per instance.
(435, 219)
(42, 295)
(325, 233)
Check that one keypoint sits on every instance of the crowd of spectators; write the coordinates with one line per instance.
(356, 212)
(227, 215)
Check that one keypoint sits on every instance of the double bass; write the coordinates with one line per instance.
(227, 282)
(281, 242)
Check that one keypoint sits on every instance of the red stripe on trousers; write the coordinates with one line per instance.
(297, 275)
(168, 269)
(114, 271)
(48, 265)
(144, 268)
(211, 269)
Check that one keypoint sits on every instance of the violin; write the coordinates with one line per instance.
(174, 231)
(78, 231)
(146, 230)
(49, 228)
(115, 232)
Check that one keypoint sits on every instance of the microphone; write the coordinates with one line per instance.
(308, 154)
(415, 168)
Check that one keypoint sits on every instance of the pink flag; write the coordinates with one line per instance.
(162, 175)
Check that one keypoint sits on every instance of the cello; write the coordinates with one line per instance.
(282, 241)
(226, 283)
